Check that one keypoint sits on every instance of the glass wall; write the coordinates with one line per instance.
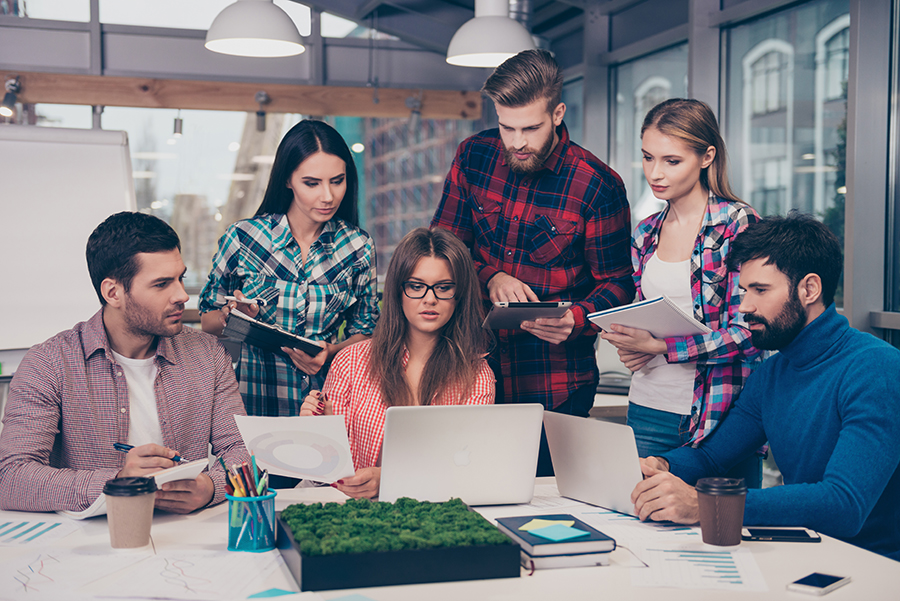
(178, 14)
(57, 10)
(786, 107)
(573, 97)
(640, 85)
(407, 161)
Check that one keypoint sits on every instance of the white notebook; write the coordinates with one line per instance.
(659, 316)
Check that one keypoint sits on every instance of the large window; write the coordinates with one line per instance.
(639, 86)
(181, 14)
(58, 10)
(786, 110)
(408, 160)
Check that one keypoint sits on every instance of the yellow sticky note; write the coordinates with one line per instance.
(537, 523)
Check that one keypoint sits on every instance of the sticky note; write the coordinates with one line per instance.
(538, 523)
(558, 532)
(272, 592)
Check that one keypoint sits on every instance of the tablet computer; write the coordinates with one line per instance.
(508, 315)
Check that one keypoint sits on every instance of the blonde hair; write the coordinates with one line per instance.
(693, 122)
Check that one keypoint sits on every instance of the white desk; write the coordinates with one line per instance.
(874, 577)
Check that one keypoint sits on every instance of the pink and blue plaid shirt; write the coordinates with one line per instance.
(725, 357)
(68, 403)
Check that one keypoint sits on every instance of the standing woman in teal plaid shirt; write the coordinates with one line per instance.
(305, 256)
(683, 386)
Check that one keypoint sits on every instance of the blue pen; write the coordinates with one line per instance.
(119, 446)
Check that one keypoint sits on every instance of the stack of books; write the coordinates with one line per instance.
(557, 541)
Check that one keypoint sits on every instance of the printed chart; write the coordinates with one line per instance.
(696, 566)
(34, 533)
(57, 574)
(197, 575)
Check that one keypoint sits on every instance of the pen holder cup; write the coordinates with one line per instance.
(251, 523)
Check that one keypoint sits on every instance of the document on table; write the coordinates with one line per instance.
(695, 565)
(33, 533)
(54, 574)
(632, 532)
(310, 447)
(198, 575)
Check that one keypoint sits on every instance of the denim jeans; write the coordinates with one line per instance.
(657, 432)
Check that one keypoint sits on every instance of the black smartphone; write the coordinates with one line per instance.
(795, 535)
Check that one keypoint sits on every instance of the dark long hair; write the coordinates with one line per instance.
(302, 141)
(461, 346)
(693, 122)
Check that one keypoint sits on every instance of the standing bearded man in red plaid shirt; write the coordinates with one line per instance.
(546, 221)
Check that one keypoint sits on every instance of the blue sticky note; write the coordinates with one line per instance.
(272, 592)
(558, 532)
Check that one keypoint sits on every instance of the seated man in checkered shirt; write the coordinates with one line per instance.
(130, 374)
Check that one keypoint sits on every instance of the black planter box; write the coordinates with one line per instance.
(412, 566)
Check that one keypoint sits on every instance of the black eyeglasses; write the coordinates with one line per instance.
(442, 290)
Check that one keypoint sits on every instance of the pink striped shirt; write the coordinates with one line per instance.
(357, 397)
(68, 404)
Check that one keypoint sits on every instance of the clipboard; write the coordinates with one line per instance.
(508, 316)
(244, 328)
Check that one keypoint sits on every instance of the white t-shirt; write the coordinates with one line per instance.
(143, 423)
(661, 385)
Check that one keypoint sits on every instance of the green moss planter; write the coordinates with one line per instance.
(363, 543)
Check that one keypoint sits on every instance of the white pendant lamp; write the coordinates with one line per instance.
(488, 39)
(254, 28)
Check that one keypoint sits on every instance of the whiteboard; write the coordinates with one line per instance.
(56, 186)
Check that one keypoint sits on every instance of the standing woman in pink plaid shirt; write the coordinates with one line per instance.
(683, 386)
(428, 348)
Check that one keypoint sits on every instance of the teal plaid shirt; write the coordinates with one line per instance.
(260, 257)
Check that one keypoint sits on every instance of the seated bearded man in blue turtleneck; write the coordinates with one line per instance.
(828, 403)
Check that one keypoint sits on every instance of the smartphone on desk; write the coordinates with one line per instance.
(791, 535)
(818, 584)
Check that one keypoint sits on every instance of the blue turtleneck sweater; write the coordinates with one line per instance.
(829, 406)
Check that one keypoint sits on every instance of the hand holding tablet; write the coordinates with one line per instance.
(510, 315)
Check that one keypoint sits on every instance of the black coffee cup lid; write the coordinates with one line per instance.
(129, 487)
(721, 486)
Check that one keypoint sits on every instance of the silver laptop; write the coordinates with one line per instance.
(482, 454)
(595, 461)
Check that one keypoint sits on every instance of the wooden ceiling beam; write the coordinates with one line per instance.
(58, 88)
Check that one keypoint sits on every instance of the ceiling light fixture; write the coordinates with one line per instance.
(488, 39)
(13, 87)
(254, 28)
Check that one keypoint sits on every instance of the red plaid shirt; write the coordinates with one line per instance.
(357, 397)
(563, 230)
(68, 404)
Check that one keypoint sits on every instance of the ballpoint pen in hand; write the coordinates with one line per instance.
(119, 446)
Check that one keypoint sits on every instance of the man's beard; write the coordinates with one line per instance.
(532, 163)
(782, 330)
(141, 322)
